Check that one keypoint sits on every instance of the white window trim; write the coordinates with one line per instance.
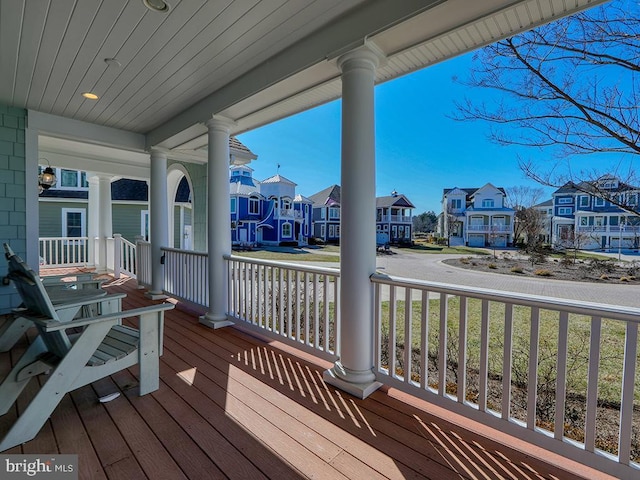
(83, 220)
(323, 231)
(488, 203)
(565, 211)
(599, 202)
(233, 204)
(334, 213)
(144, 221)
(253, 201)
(584, 200)
(284, 235)
(565, 201)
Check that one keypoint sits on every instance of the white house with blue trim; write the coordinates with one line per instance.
(477, 217)
(268, 212)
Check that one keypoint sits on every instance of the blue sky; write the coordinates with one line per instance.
(419, 150)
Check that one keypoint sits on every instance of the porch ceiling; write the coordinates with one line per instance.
(252, 61)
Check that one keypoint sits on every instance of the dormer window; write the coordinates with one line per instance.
(456, 203)
(487, 203)
(254, 205)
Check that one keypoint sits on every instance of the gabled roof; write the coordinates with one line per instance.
(328, 196)
(241, 148)
(394, 201)
(586, 187)
(239, 188)
(546, 203)
(279, 179)
(302, 199)
(471, 191)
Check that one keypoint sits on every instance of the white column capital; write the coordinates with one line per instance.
(221, 123)
(157, 152)
(366, 56)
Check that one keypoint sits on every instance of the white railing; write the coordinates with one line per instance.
(143, 264)
(287, 213)
(489, 228)
(57, 252)
(186, 275)
(395, 218)
(125, 252)
(555, 372)
(294, 304)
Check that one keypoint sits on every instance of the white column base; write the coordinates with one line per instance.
(155, 296)
(215, 323)
(358, 384)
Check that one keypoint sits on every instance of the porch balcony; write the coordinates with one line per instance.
(233, 404)
(287, 213)
(395, 218)
(485, 228)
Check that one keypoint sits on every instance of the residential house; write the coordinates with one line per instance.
(546, 213)
(586, 217)
(476, 217)
(326, 214)
(267, 212)
(393, 216)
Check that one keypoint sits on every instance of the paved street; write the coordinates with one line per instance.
(430, 267)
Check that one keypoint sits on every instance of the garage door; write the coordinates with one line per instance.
(476, 240)
(500, 241)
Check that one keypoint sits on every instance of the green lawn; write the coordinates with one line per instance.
(612, 343)
(289, 255)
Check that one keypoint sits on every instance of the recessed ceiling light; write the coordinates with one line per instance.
(90, 96)
(156, 5)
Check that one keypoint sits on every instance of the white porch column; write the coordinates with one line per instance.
(158, 221)
(93, 218)
(105, 225)
(218, 220)
(353, 372)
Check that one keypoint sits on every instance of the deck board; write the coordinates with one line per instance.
(233, 406)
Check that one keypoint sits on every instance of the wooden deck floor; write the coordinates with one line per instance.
(233, 406)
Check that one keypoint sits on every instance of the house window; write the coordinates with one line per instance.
(144, 224)
(286, 230)
(633, 199)
(337, 231)
(599, 202)
(334, 213)
(487, 203)
(584, 201)
(564, 211)
(233, 205)
(73, 222)
(584, 221)
(456, 203)
(323, 214)
(599, 221)
(285, 204)
(565, 200)
(323, 231)
(332, 233)
(254, 206)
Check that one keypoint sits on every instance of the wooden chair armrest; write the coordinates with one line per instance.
(50, 325)
(89, 300)
(80, 277)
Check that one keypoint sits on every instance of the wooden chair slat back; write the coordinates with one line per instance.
(36, 300)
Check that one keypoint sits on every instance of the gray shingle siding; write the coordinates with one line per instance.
(12, 193)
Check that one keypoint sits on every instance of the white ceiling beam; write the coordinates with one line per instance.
(338, 37)
(70, 129)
